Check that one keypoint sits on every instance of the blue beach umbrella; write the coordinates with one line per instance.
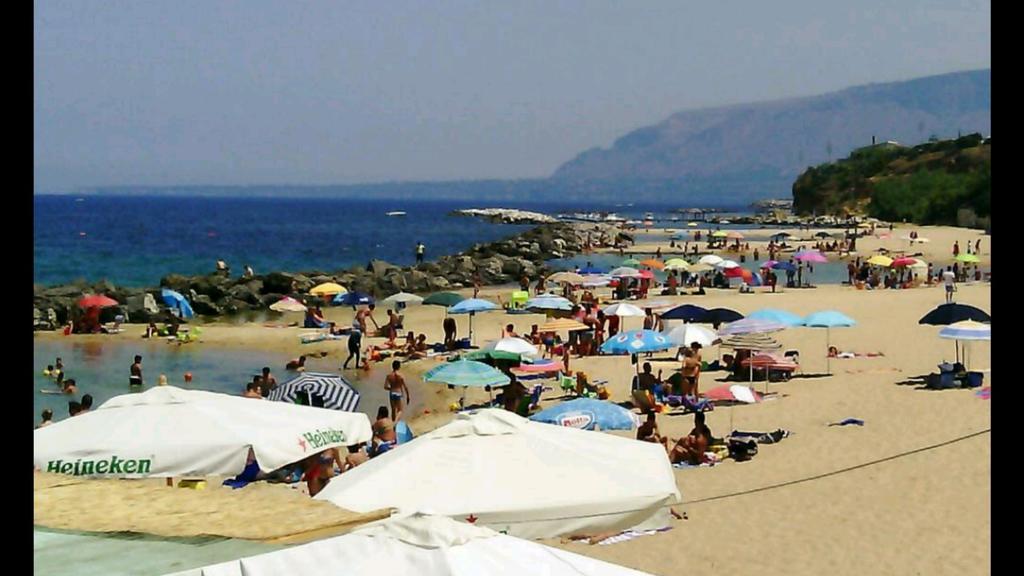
(353, 299)
(780, 316)
(784, 266)
(686, 313)
(471, 306)
(175, 300)
(828, 319)
(588, 414)
(636, 341)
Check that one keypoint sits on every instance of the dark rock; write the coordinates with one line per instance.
(278, 283)
(176, 282)
(202, 304)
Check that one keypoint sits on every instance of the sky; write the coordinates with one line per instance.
(315, 92)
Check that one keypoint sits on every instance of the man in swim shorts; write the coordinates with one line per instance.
(394, 383)
(135, 375)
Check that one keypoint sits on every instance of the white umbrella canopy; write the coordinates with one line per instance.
(513, 345)
(687, 334)
(710, 260)
(727, 264)
(288, 304)
(488, 464)
(624, 271)
(567, 277)
(403, 298)
(169, 431)
(418, 544)
(623, 309)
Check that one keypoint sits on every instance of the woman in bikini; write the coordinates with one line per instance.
(692, 448)
(691, 373)
(395, 385)
(384, 437)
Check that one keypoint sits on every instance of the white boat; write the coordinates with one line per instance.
(396, 213)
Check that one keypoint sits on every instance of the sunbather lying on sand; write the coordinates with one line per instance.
(834, 352)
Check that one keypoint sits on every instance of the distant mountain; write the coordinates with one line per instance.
(773, 142)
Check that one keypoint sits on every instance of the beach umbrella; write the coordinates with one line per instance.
(288, 304)
(624, 271)
(754, 342)
(700, 267)
(178, 302)
(969, 258)
(635, 342)
(880, 260)
(780, 316)
(631, 262)
(822, 235)
(768, 264)
(549, 302)
(328, 289)
(727, 264)
(812, 256)
(676, 264)
(587, 414)
(418, 544)
(904, 262)
(751, 326)
(686, 313)
(402, 298)
(687, 334)
(561, 324)
(733, 393)
(787, 266)
(481, 355)
(946, 314)
(353, 299)
(471, 306)
(710, 260)
(721, 316)
(653, 263)
(828, 319)
(514, 345)
(487, 465)
(623, 309)
(596, 281)
(780, 236)
(445, 299)
(734, 235)
(645, 274)
(566, 277)
(591, 270)
(168, 431)
(737, 272)
(336, 392)
(720, 234)
(966, 330)
(97, 301)
(466, 373)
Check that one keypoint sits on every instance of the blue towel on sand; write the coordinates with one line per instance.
(848, 421)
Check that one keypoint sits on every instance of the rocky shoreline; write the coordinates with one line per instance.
(217, 294)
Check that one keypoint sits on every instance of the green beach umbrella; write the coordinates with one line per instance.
(971, 258)
(493, 355)
(632, 262)
(445, 299)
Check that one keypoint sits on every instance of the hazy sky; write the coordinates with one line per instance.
(262, 92)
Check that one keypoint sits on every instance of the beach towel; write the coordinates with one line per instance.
(985, 393)
(763, 437)
(248, 475)
(628, 535)
(847, 422)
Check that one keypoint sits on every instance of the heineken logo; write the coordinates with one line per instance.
(319, 438)
(114, 465)
(577, 419)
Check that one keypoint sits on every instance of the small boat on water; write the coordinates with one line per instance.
(396, 213)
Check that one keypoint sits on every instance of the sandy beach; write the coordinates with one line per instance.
(906, 493)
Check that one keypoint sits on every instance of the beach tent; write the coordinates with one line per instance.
(419, 544)
(336, 392)
(519, 477)
(168, 431)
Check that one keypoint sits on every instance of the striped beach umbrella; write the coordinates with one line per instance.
(751, 326)
(687, 334)
(966, 330)
(566, 277)
(337, 393)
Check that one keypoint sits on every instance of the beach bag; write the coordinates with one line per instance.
(742, 449)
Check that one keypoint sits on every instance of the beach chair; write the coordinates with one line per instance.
(567, 383)
(518, 300)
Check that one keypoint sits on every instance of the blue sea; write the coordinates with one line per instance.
(134, 241)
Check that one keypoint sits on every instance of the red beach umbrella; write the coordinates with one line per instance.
(97, 301)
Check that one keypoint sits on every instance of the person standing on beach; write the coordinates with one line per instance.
(394, 383)
(420, 249)
(135, 375)
(355, 343)
(956, 248)
(362, 315)
(949, 279)
(476, 284)
(977, 247)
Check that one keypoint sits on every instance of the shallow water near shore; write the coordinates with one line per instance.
(101, 369)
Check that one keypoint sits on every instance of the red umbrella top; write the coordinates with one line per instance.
(738, 272)
(646, 274)
(901, 262)
(97, 301)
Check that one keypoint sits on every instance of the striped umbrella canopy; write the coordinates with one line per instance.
(288, 304)
(561, 324)
(756, 342)
(967, 330)
(623, 309)
(711, 260)
(566, 277)
(631, 262)
(549, 302)
(880, 260)
(445, 299)
(623, 271)
(971, 258)
(636, 341)
(402, 297)
(828, 319)
(336, 392)
(466, 373)
(775, 315)
(751, 326)
(327, 289)
(653, 263)
(676, 264)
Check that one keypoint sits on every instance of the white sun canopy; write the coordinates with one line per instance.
(169, 431)
(519, 477)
